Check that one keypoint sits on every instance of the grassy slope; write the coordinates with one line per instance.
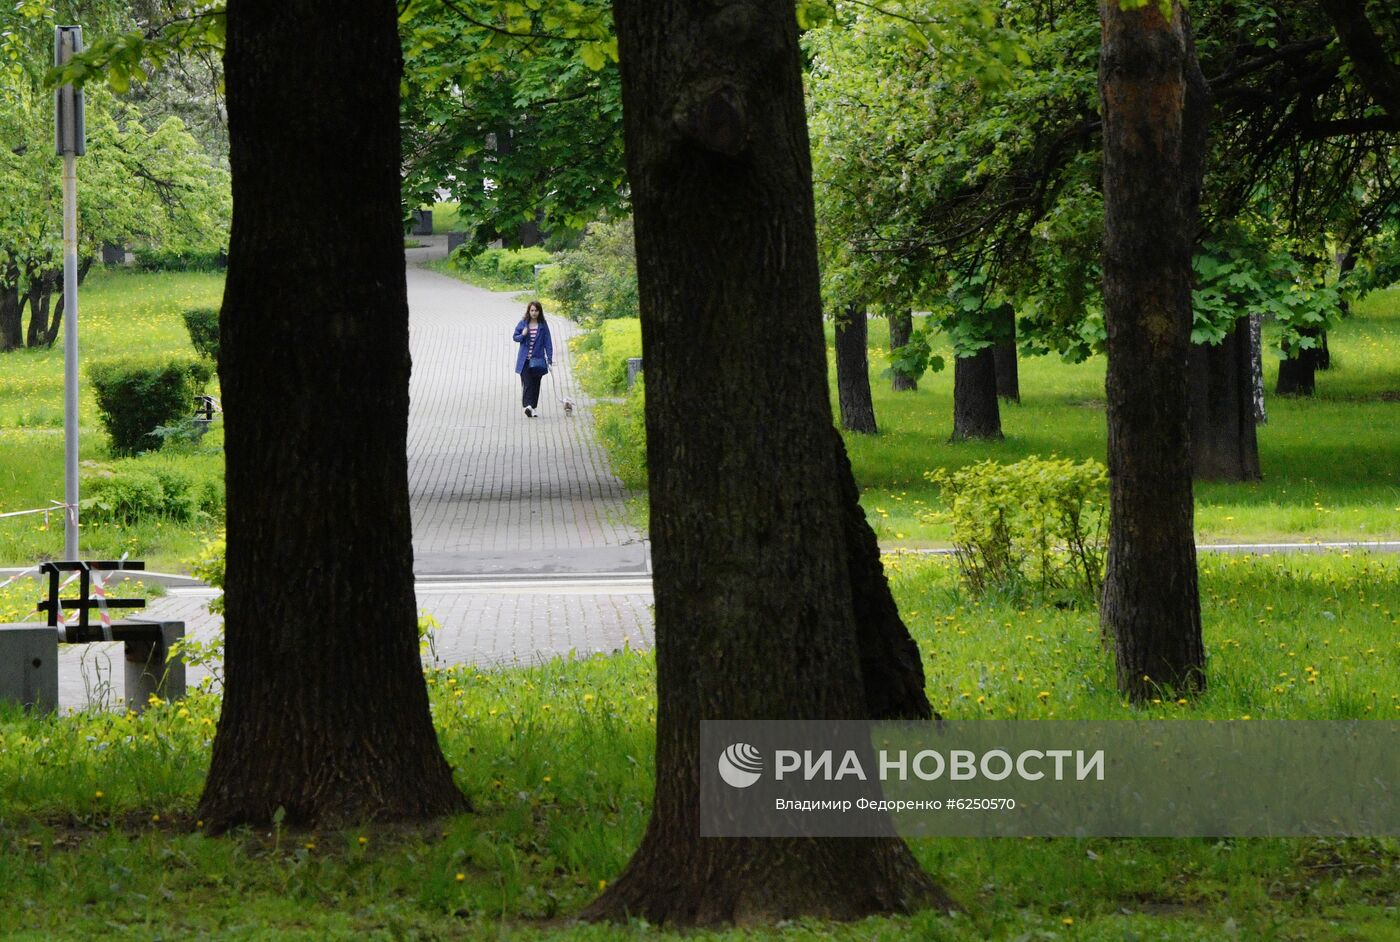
(557, 759)
(121, 313)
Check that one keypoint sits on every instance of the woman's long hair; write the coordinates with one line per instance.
(537, 306)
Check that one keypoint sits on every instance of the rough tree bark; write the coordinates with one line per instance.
(1004, 352)
(749, 519)
(325, 710)
(976, 413)
(1155, 115)
(1221, 403)
(901, 329)
(853, 371)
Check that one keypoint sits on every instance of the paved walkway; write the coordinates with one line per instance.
(521, 543)
(493, 491)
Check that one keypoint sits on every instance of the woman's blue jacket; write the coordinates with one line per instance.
(544, 346)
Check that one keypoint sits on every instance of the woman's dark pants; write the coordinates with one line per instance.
(530, 387)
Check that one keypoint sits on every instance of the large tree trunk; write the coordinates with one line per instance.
(901, 329)
(1256, 368)
(976, 414)
(1221, 401)
(853, 371)
(1155, 113)
(752, 560)
(325, 709)
(1004, 353)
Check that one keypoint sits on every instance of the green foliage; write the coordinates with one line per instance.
(601, 355)
(144, 181)
(203, 325)
(134, 397)
(167, 487)
(525, 95)
(598, 279)
(1237, 277)
(915, 358)
(1037, 524)
(622, 428)
(499, 269)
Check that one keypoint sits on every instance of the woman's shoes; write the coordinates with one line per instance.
(529, 412)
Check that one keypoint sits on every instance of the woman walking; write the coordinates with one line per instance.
(535, 356)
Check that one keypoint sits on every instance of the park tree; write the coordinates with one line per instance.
(325, 713)
(1156, 106)
(513, 110)
(769, 599)
(140, 181)
(853, 370)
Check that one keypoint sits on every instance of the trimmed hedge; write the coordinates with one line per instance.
(203, 325)
(134, 397)
(187, 260)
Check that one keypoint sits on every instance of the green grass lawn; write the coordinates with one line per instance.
(122, 313)
(97, 835)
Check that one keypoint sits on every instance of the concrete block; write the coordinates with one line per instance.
(149, 667)
(29, 665)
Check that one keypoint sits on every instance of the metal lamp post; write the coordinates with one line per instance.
(69, 141)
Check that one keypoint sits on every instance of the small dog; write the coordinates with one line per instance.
(568, 405)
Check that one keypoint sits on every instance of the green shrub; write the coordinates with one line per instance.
(1036, 525)
(179, 259)
(203, 325)
(131, 490)
(598, 280)
(504, 269)
(125, 498)
(134, 397)
(601, 355)
(622, 428)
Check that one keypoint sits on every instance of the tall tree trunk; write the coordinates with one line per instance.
(1256, 368)
(11, 318)
(901, 329)
(853, 370)
(1221, 402)
(749, 508)
(1297, 374)
(1004, 352)
(42, 288)
(325, 709)
(1155, 114)
(976, 414)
